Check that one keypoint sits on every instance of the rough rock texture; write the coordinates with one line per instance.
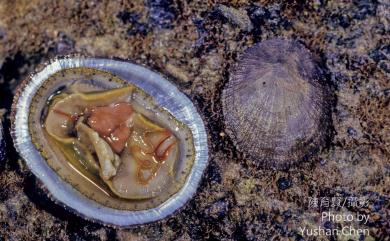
(194, 43)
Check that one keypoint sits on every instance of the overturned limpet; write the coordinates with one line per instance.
(276, 104)
(110, 144)
(111, 140)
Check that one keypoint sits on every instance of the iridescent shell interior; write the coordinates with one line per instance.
(109, 139)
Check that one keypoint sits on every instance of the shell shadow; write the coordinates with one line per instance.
(76, 226)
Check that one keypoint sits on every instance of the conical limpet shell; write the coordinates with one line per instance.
(60, 115)
(276, 104)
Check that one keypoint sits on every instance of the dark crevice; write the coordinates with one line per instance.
(77, 227)
(9, 75)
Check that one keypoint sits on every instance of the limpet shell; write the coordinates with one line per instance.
(276, 104)
(165, 95)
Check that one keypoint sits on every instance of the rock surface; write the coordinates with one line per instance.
(195, 46)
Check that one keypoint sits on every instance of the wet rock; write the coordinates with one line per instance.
(344, 21)
(357, 62)
(133, 19)
(342, 112)
(267, 18)
(252, 230)
(328, 225)
(351, 132)
(218, 209)
(138, 28)
(10, 70)
(258, 15)
(376, 201)
(323, 162)
(178, 73)
(2, 143)
(284, 183)
(337, 19)
(364, 8)
(350, 40)
(65, 44)
(379, 204)
(275, 17)
(287, 214)
(237, 17)
(162, 13)
(262, 217)
(213, 173)
(161, 18)
(195, 232)
(338, 78)
(128, 17)
(202, 32)
(3, 34)
(380, 53)
(385, 66)
(174, 225)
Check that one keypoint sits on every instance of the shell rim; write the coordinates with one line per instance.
(98, 212)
